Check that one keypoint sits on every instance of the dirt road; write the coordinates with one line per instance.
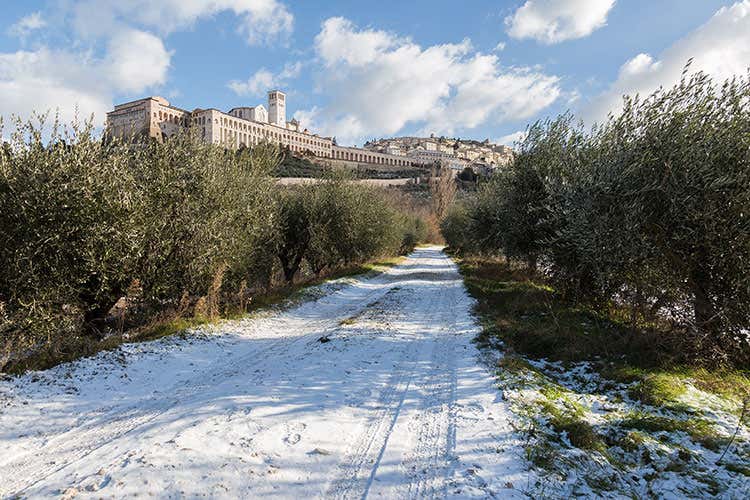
(394, 402)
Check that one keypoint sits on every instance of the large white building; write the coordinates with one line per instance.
(240, 127)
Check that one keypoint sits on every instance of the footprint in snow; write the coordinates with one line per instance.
(293, 431)
(292, 439)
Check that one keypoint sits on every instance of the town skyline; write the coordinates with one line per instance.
(242, 127)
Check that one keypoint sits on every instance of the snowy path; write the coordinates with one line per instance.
(395, 405)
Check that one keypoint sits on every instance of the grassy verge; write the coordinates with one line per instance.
(600, 403)
(531, 319)
(284, 296)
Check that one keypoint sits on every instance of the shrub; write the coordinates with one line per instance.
(455, 228)
(337, 222)
(648, 211)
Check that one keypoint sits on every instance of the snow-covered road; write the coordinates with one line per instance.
(395, 404)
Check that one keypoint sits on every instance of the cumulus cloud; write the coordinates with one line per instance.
(136, 60)
(260, 21)
(378, 83)
(720, 47)
(27, 24)
(264, 80)
(554, 21)
(44, 80)
(48, 79)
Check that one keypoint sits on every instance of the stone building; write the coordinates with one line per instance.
(240, 127)
(254, 114)
(152, 117)
(277, 108)
(430, 157)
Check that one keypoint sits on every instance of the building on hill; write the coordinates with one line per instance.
(457, 153)
(358, 156)
(427, 158)
(241, 127)
(277, 108)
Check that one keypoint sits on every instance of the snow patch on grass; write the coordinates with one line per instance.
(659, 436)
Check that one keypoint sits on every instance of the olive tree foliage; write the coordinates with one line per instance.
(455, 229)
(512, 211)
(650, 209)
(684, 180)
(69, 222)
(294, 229)
(85, 222)
(337, 222)
(204, 208)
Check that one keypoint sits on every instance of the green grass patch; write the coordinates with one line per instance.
(543, 455)
(664, 386)
(632, 441)
(743, 469)
(515, 364)
(566, 416)
(700, 430)
(535, 321)
(169, 328)
(658, 389)
(732, 384)
(566, 420)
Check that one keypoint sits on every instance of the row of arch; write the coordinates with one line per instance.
(364, 157)
(170, 118)
(236, 139)
(284, 137)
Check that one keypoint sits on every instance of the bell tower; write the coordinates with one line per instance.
(277, 108)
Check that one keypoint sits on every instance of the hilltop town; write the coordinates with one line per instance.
(456, 153)
(248, 126)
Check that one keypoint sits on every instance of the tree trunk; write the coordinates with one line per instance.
(703, 309)
(531, 264)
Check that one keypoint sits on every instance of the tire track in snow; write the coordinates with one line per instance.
(434, 425)
(358, 469)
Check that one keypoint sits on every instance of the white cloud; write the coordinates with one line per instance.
(45, 80)
(721, 48)
(260, 21)
(378, 82)
(554, 21)
(48, 79)
(512, 139)
(263, 80)
(499, 47)
(136, 60)
(27, 24)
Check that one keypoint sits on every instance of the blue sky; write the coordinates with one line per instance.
(360, 70)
